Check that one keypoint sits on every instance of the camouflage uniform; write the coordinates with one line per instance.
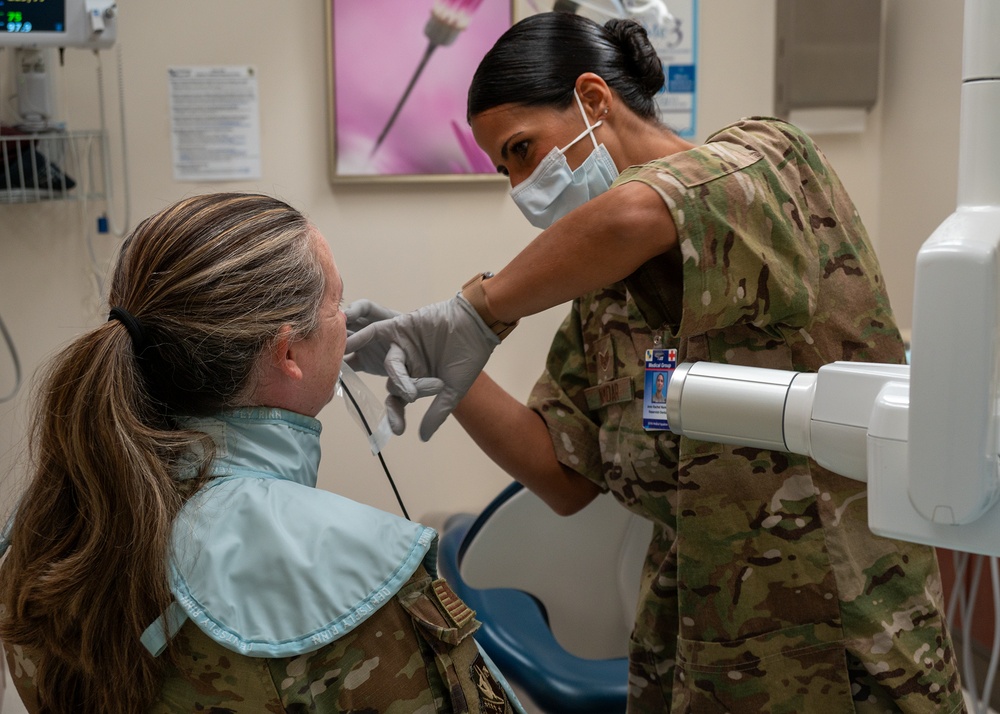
(415, 654)
(763, 589)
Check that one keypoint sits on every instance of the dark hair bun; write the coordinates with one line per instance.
(641, 60)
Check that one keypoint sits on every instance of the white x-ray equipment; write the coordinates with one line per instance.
(924, 436)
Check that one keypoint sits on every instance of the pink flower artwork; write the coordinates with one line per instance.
(401, 71)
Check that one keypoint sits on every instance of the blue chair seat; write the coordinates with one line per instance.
(516, 635)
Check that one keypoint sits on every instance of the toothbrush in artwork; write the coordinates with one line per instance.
(448, 19)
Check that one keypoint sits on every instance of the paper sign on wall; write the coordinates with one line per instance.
(214, 123)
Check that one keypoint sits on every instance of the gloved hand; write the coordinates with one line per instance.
(360, 314)
(372, 358)
(447, 340)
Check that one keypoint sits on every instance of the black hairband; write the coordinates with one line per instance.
(133, 326)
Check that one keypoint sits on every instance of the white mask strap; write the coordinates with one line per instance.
(586, 121)
(589, 130)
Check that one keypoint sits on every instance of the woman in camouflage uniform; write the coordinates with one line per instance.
(172, 553)
(763, 589)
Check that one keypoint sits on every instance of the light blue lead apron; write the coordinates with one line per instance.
(266, 564)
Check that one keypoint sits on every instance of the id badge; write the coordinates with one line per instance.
(660, 366)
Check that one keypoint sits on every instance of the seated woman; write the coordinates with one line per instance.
(171, 552)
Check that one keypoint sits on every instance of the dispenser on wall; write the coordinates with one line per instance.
(826, 74)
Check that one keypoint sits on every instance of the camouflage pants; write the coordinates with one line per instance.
(786, 604)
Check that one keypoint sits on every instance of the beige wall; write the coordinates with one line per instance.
(919, 155)
(409, 244)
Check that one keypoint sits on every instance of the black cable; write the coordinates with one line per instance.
(379, 453)
(17, 362)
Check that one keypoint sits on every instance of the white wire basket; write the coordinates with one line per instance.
(51, 166)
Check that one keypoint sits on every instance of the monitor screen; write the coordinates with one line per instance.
(27, 16)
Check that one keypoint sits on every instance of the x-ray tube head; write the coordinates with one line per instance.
(729, 403)
(822, 415)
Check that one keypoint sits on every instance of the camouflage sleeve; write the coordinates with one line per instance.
(558, 397)
(732, 216)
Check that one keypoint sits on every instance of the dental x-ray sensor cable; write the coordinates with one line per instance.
(368, 429)
(14, 358)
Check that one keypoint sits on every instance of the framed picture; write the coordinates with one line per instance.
(399, 72)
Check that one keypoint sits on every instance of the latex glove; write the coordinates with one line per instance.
(372, 359)
(447, 340)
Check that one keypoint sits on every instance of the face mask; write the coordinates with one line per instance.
(553, 189)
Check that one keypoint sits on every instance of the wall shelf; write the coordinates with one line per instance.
(50, 166)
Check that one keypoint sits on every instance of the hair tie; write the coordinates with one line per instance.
(132, 325)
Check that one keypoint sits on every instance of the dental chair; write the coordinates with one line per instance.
(556, 595)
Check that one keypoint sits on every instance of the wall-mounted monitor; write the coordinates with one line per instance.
(58, 23)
